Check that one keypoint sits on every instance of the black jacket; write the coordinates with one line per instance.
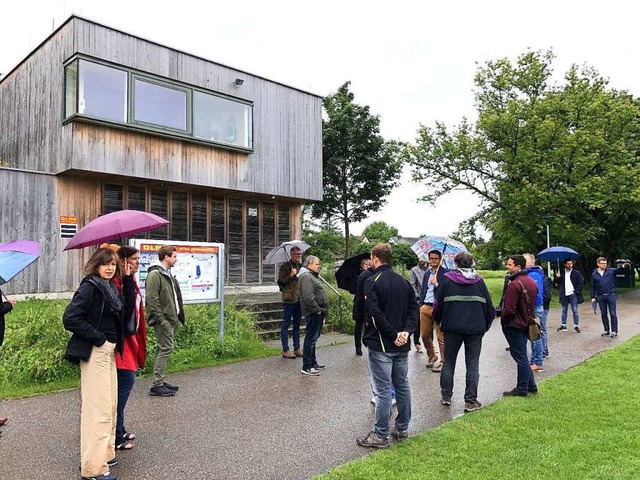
(358, 299)
(578, 283)
(5, 308)
(390, 307)
(83, 317)
(425, 283)
(463, 305)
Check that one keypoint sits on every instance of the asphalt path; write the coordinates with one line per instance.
(263, 419)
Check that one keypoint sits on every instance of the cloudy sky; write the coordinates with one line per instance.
(412, 62)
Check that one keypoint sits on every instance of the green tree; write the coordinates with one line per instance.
(379, 232)
(326, 243)
(359, 167)
(541, 153)
(403, 257)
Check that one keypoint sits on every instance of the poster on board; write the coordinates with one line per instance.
(198, 268)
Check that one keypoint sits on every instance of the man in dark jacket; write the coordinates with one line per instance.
(603, 291)
(519, 300)
(5, 307)
(464, 311)
(432, 278)
(291, 309)
(358, 303)
(570, 283)
(391, 315)
(165, 311)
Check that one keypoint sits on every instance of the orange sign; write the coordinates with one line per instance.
(68, 219)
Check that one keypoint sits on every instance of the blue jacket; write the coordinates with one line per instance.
(537, 274)
(601, 284)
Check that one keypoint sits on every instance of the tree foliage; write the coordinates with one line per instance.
(379, 232)
(564, 155)
(359, 168)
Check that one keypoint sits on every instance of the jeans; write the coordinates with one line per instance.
(290, 311)
(472, 347)
(537, 347)
(387, 370)
(543, 332)
(126, 379)
(314, 328)
(517, 341)
(604, 302)
(573, 300)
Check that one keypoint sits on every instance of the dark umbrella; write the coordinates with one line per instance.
(348, 273)
(114, 226)
(557, 254)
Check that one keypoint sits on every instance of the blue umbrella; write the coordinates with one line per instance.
(445, 245)
(15, 257)
(558, 254)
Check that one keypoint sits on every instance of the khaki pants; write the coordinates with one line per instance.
(165, 334)
(99, 390)
(426, 328)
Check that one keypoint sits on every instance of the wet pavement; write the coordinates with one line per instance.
(263, 419)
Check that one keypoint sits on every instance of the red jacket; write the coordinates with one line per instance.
(134, 352)
(516, 311)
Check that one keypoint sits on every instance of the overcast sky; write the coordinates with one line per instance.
(412, 62)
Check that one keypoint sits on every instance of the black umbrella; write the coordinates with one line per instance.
(348, 273)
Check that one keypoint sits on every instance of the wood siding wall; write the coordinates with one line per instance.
(287, 126)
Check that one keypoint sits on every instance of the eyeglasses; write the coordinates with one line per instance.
(431, 259)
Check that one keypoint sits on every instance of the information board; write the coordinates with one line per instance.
(198, 269)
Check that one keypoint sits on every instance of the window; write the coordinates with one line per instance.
(113, 197)
(268, 239)
(199, 217)
(136, 198)
(160, 105)
(179, 223)
(159, 207)
(95, 90)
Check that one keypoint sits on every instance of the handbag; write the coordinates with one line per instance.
(131, 324)
(533, 326)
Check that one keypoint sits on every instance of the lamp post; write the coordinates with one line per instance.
(547, 218)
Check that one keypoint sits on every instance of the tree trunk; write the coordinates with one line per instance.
(347, 253)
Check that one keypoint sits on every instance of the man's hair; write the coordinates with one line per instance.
(567, 260)
(295, 249)
(166, 251)
(363, 261)
(600, 259)
(519, 260)
(530, 256)
(102, 256)
(463, 260)
(126, 251)
(382, 251)
(437, 252)
(309, 260)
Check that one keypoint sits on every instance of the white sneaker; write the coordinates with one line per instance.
(310, 371)
(373, 400)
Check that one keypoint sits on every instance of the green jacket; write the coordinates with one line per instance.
(160, 301)
(313, 296)
(288, 284)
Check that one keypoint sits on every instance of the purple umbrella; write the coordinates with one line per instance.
(114, 226)
(16, 256)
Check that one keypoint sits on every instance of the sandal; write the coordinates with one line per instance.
(129, 436)
(125, 446)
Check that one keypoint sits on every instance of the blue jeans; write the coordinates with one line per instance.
(573, 301)
(314, 328)
(387, 370)
(290, 311)
(537, 347)
(543, 331)
(472, 348)
(517, 341)
(126, 379)
(604, 302)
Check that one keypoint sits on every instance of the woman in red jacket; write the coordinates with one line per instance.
(134, 353)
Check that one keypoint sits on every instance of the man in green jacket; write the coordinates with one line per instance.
(165, 311)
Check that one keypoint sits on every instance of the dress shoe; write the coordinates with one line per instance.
(169, 387)
(3, 420)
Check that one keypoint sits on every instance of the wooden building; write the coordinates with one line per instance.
(96, 120)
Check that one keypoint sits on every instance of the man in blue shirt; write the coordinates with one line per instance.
(603, 290)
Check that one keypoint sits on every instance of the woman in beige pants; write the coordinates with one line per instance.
(94, 317)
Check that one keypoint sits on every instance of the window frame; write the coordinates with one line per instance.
(135, 125)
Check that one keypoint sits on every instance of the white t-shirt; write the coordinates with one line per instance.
(568, 286)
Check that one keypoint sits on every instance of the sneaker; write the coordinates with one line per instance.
(372, 440)
(576, 328)
(319, 367)
(310, 371)
(373, 400)
(170, 387)
(514, 393)
(437, 368)
(562, 328)
(113, 462)
(472, 406)
(536, 368)
(399, 434)
(445, 402)
(288, 354)
(614, 334)
(393, 402)
(605, 334)
(431, 362)
(161, 391)
(104, 476)
(298, 352)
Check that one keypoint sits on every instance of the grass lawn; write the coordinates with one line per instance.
(582, 425)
